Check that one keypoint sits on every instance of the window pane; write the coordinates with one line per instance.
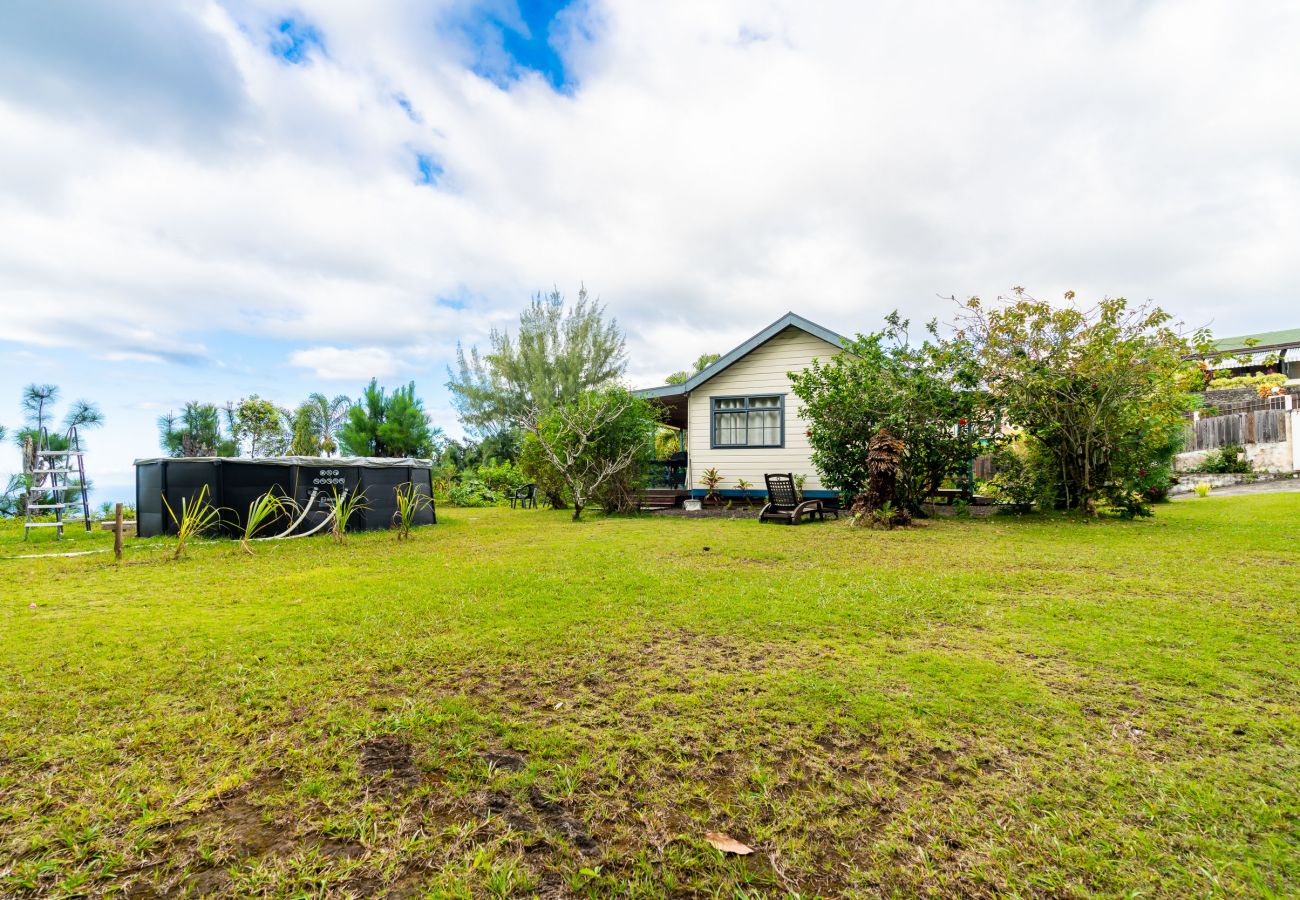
(729, 428)
(764, 402)
(729, 404)
(765, 428)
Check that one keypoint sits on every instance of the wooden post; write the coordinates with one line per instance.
(117, 531)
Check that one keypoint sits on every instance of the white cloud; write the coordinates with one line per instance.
(352, 365)
(718, 164)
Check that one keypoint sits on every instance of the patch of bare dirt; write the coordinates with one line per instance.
(388, 761)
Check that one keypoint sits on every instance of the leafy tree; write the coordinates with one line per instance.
(1100, 393)
(196, 431)
(597, 445)
(556, 357)
(701, 363)
(383, 424)
(925, 395)
(260, 424)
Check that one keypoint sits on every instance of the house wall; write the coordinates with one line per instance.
(762, 372)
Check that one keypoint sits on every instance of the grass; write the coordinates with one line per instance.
(509, 703)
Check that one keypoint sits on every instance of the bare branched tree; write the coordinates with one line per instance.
(575, 438)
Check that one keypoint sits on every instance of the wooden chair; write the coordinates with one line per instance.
(784, 505)
(525, 495)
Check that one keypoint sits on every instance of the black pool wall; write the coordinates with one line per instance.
(233, 484)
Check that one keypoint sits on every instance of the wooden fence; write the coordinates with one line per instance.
(1256, 427)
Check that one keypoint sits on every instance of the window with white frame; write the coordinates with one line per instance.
(748, 421)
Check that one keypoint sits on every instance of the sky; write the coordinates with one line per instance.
(206, 199)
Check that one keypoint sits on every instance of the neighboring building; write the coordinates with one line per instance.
(1252, 354)
(739, 415)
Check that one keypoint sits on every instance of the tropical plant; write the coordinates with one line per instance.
(328, 416)
(599, 445)
(927, 394)
(384, 424)
(556, 358)
(702, 362)
(410, 502)
(304, 431)
(344, 507)
(196, 431)
(710, 478)
(261, 512)
(744, 487)
(1100, 391)
(885, 455)
(197, 516)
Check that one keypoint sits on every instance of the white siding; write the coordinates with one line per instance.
(761, 373)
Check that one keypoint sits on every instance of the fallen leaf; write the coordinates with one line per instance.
(727, 844)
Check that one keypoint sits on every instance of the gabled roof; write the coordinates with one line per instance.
(1267, 340)
(789, 320)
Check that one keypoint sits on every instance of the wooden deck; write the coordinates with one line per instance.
(663, 498)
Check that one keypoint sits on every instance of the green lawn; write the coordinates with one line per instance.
(511, 704)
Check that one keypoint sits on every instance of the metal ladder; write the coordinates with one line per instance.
(50, 484)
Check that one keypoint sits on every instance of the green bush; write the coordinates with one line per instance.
(1229, 459)
(1244, 381)
(470, 490)
(538, 469)
(1015, 482)
(501, 477)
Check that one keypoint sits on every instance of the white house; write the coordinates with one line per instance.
(739, 415)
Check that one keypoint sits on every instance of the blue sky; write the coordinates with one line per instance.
(224, 197)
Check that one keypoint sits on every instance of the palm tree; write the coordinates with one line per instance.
(329, 416)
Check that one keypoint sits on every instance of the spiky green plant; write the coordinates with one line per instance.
(260, 513)
(345, 505)
(710, 479)
(744, 487)
(409, 504)
(197, 516)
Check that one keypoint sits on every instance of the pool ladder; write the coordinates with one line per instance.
(50, 486)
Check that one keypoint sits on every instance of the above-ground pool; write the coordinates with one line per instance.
(311, 482)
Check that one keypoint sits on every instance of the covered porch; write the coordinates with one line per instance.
(669, 478)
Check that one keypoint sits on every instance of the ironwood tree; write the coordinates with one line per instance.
(556, 356)
(388, 424)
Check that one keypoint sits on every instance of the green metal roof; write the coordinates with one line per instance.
(1265, 340)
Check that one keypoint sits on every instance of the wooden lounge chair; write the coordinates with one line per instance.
(784, 505)
(525, 495)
